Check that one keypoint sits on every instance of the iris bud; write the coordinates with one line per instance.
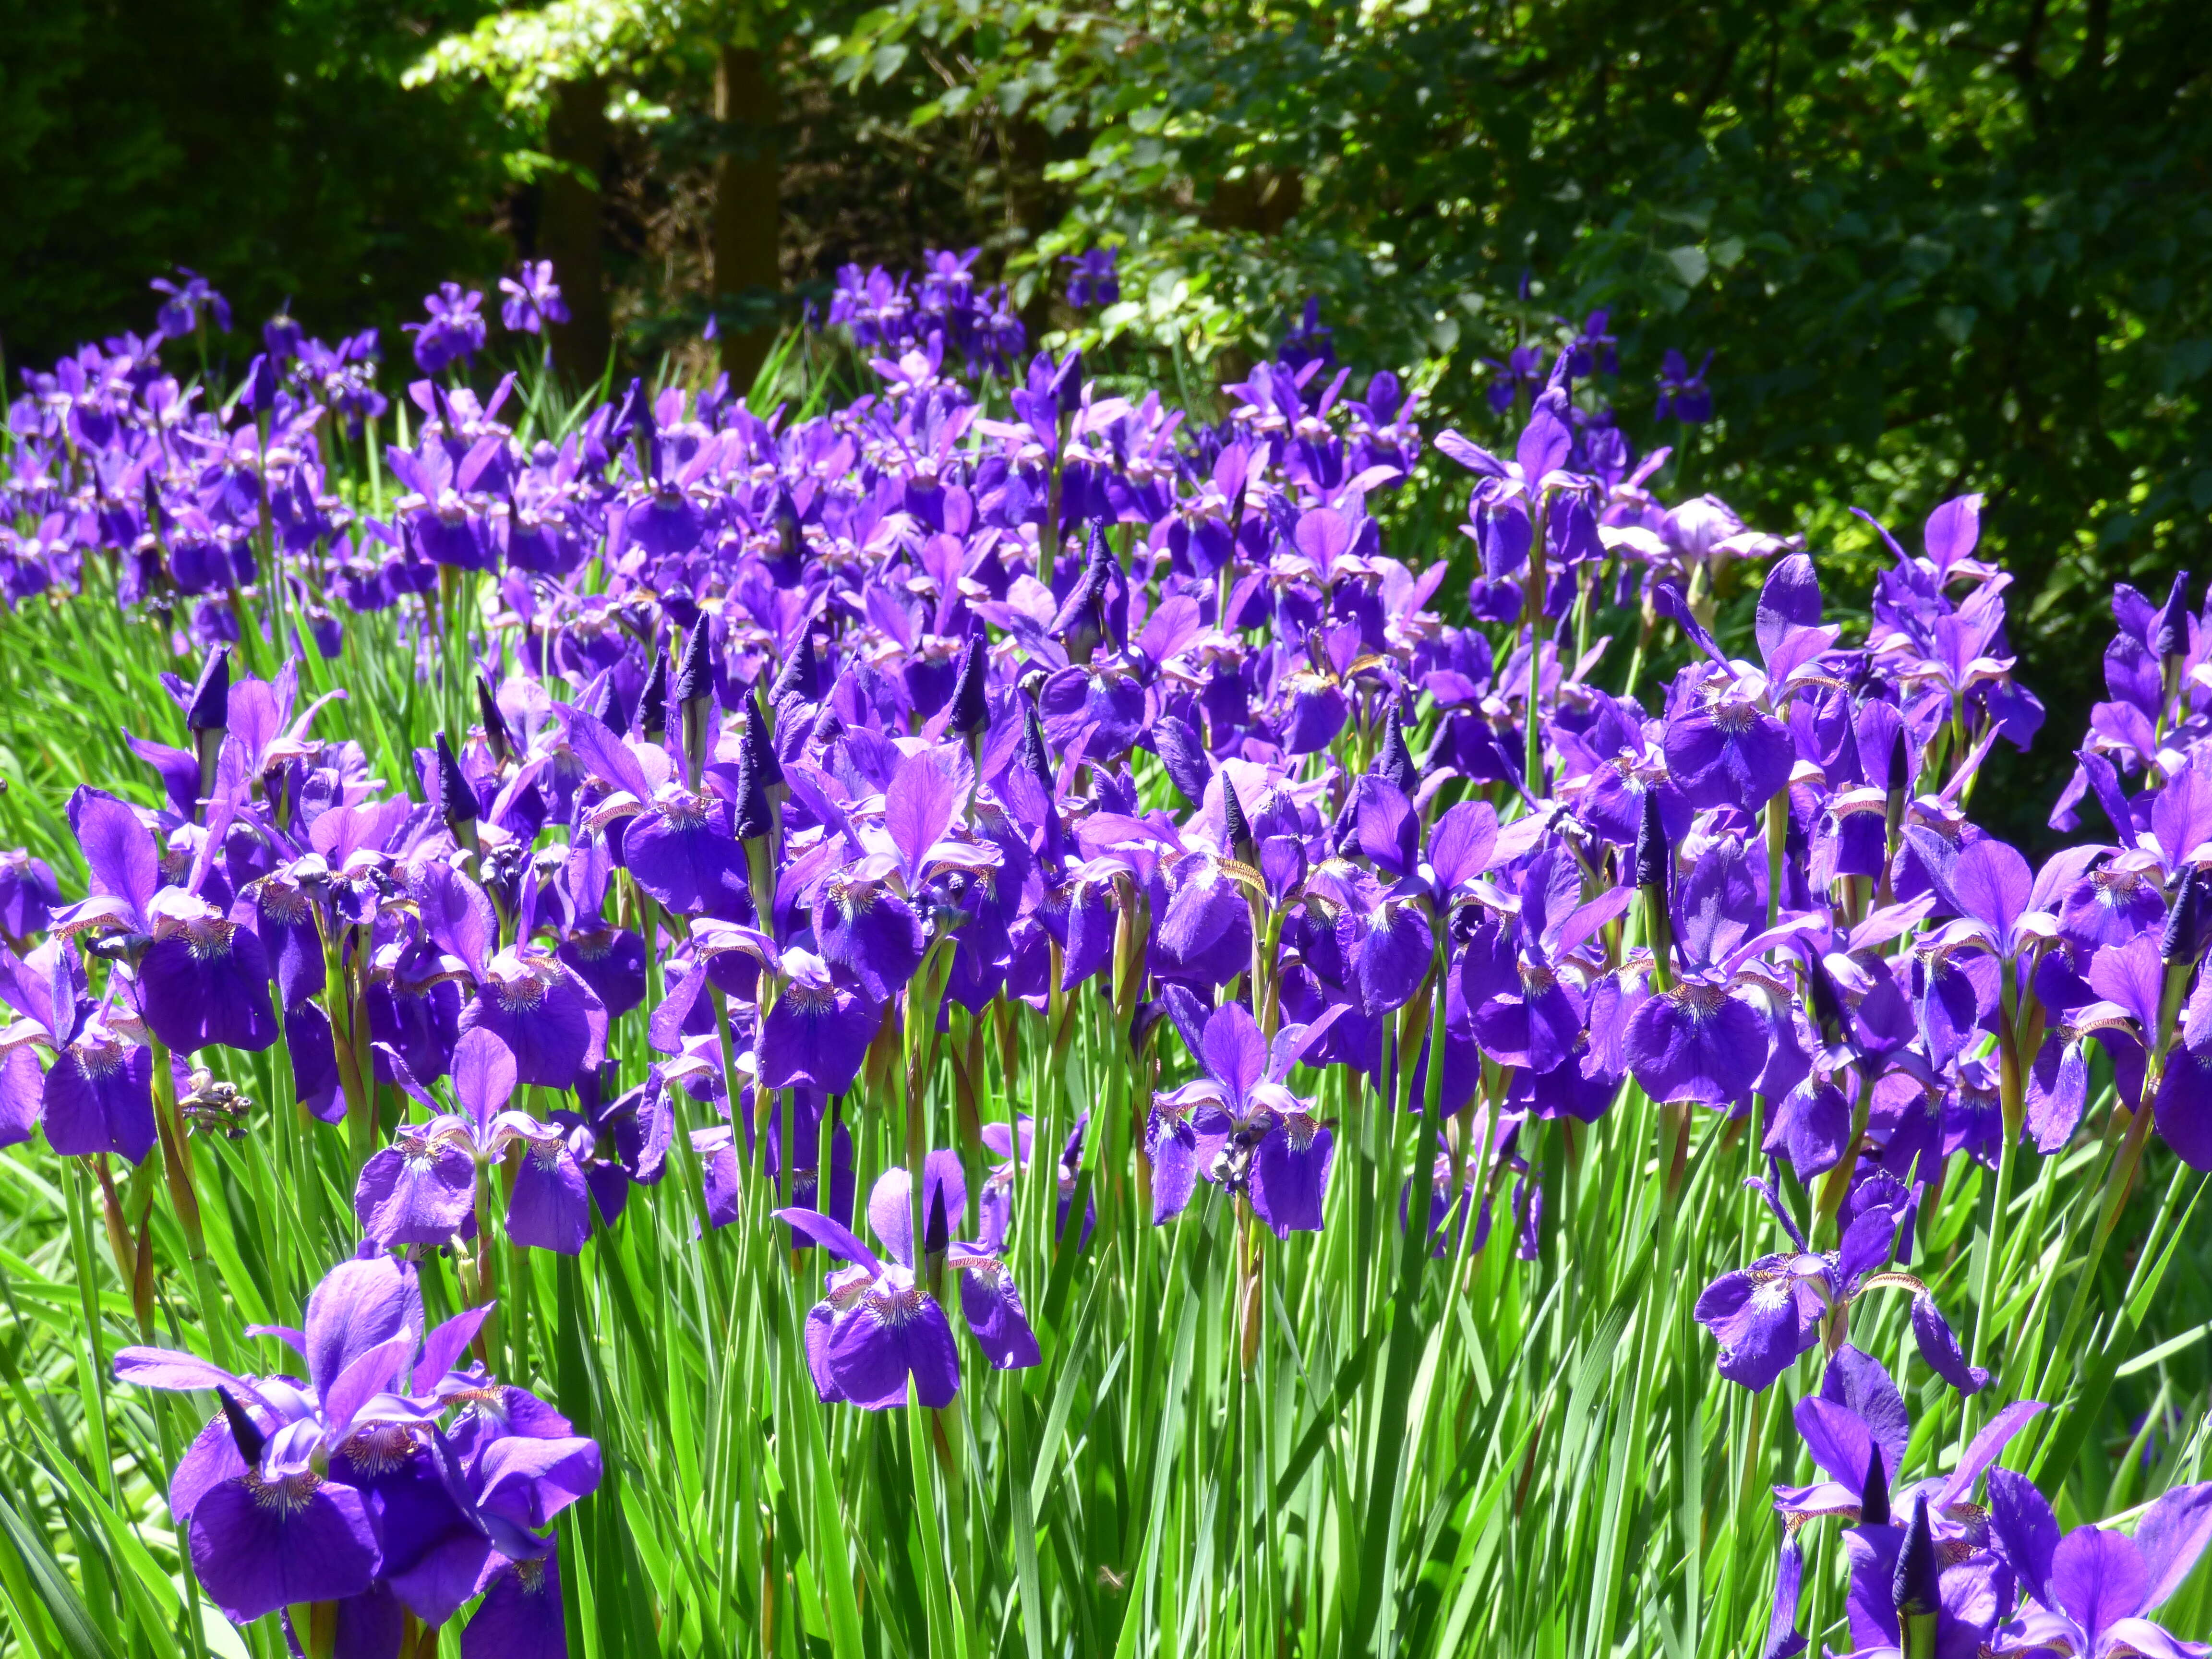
(1914, 1589)
(695, 689)
(1236, 830)
(459, 808)
(1654, 857)
(2183, 940)
(652, 702)
(1395, 762)
(2169, 629)
(495, 723)
(1036, 753)
(208, 714)
(1874, 1496)
(801, 675)
(971, 715)
(243, 1430)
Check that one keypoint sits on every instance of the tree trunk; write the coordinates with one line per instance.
(576, 137)
(748, 210)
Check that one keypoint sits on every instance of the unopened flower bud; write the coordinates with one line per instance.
(1236, 830)
(652, 702)
(1395, 762)
(495, 723)
(456, 797)
(2185, 938)
(2169, 629)
(208, 709)
(801, 675)
(1654, 858)
(1914, 1589)
(1874, 1495)
(971, 713)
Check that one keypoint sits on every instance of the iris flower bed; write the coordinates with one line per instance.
(984, 1019)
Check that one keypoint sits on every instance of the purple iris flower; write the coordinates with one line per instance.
(1238, 1125)
(864, 914)
(538, 1006)
(1765, 1316)
(2094, 1589)
(180, 312)
(97, 1097)
(421, 1188)
(455, 331)
(1722, 749)
(1014, 1143)
(387, 1480)
(1522, 979)
(1683, 396)
(878, 1326)
(1095, 280)
(528, 304)
(1701, 1040)
(1857, 1429)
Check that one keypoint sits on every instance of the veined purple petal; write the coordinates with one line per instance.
(1730, 755)
(2182, 1111)
(417, 1191)
(357, 1305)
(99, 1097)
(1857, 1380)
(815, 1035)
(893, 1330)
(209, 986)
(1939, 1346)
(259, 1544)
(1233, 1052)
(520, 1616)
(2100, 1578)
(550, 1208)
(1290, 1175)
(869, 931)
(1760, 1321)
(2023, 1529)
(2171, 1536)
(1696, 1042)
(992, 1307)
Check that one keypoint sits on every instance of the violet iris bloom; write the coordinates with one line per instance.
(421, 1188)
(528, 304)
(878, 1327)
(386, 1481)
(1522, 978)
(1700, 1040)
(864, 915)
(536, 1004)
(97, 1097)
(1857, 1429)
(267, 1528)
(1014, 1143)
(201, 978)
(2094, 1589)
(1765, 1316)
(1238, 1125)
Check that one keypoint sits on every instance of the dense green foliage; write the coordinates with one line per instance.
(268, 144)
